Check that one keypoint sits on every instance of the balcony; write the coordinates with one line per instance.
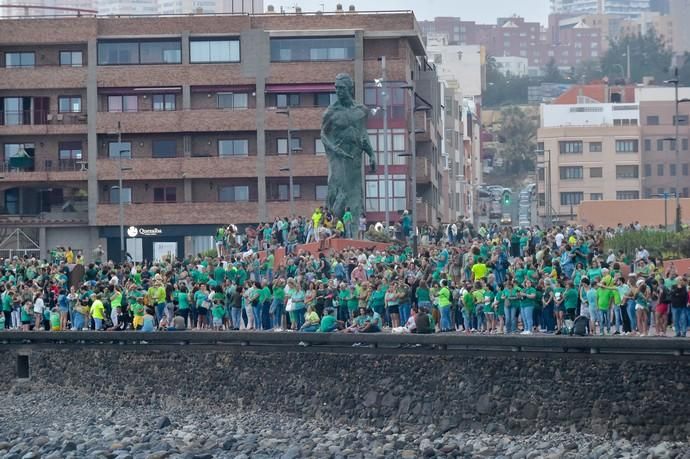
(113, 76)
(176, 168)
(210, 120)
(44, 123)
(184, 213)
(73, 212)
(282, 208)
(423, 170)
(320, 72)
(304, 165)
(301, 118)
(423, 212)
(30, 170)
(43, 77)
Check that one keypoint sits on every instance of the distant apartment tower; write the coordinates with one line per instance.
(127, 7)
(628, 8)
(210, 6)
(45, 7)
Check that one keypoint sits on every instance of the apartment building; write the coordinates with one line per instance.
(628, 8)
(663, 175)
(191, 112)
(37, 8)
(587, 151)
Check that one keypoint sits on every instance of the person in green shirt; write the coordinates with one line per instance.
(137, 310)
(570, 300)
(488, 310)
(278, 304)
(528, 296)
(467, 308)
(347, 223)
(444, 302)
(265, 298)
(182, 297)
(329, 323)
(218, 313)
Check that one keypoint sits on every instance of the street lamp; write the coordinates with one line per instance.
(291, 193)
(382, 83)
(674, 81)
(547, 187)
(413, 155)
(121, 209)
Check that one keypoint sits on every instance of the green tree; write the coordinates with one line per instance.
(684, 70)
(502, 89)
(516, 138)
(587, 71)
(649, 56)
(551, 73)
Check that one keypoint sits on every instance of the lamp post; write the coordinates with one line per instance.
(413, 157)
(547, 187)
(121, 209)
(382, 83)
(289, 153)
(674, 81)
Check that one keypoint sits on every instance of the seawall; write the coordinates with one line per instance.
(640, 398)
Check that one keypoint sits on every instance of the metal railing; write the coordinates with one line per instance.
(41, 118)
(374, 343)
(48, 165)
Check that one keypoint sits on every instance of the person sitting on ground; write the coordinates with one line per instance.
(179, 322)
(424, 323)
(409, 327)
(312, 320)
(329, 323)
(148, 321)
(373, 324)
(580, 326)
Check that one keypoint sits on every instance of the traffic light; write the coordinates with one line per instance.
(506, 198)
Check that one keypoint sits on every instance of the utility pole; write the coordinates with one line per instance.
(121, 209)
(385, 141)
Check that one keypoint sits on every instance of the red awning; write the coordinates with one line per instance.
(140, 90)
(300, 88)
(226, 88)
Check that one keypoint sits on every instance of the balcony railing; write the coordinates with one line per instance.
(21, 165)
(40, 117)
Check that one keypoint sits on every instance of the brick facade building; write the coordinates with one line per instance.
(196, 103)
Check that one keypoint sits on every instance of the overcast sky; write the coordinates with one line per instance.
(483, 11)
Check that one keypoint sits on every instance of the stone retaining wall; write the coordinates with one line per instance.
(638, 399)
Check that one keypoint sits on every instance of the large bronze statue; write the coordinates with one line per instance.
(344, 136)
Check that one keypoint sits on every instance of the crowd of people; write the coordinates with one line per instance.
(489, 280)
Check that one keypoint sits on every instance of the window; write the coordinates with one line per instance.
(321, 192)
(117, 150)
(596, 172)
(135, 52)
(652, 120)
(572, 146)
(685, 169)
(376, 192)
(571, 198)
(626, 146)
(396, 146)
(287, 100)
(238, 193)
(282, 145)
(165, 194)
(595, 147)
(238, 147)
(596, 196)
(647, 193)
(684, 144)
(312, 49)
(324, 99)
(627, 172)
(164, 148)
(682, 120)
(319, 149)
(69, 104)
(672, 170)
(71, 58)
(17, 60)
(16, 111)
(233, 100)
(647, 144)
(672, 144)
(122, 104)
(660, 191)
(659, 170)
(17, 149)
(115, 195)
(623, 195)
(283, 192)
(647, 170)
(571, 172)
(163, 102)
(659, 145)
(69, 150)
(215, 50)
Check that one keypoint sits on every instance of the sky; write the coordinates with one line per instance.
(482, 11)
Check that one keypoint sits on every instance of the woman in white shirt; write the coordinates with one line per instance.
(39, 307)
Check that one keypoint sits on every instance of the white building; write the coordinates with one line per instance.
(210, 6)
(125, 7)
(513, 65)
(463, 63)
(628, 8)
(49, 7)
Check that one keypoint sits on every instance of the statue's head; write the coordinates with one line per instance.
(344, 87)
